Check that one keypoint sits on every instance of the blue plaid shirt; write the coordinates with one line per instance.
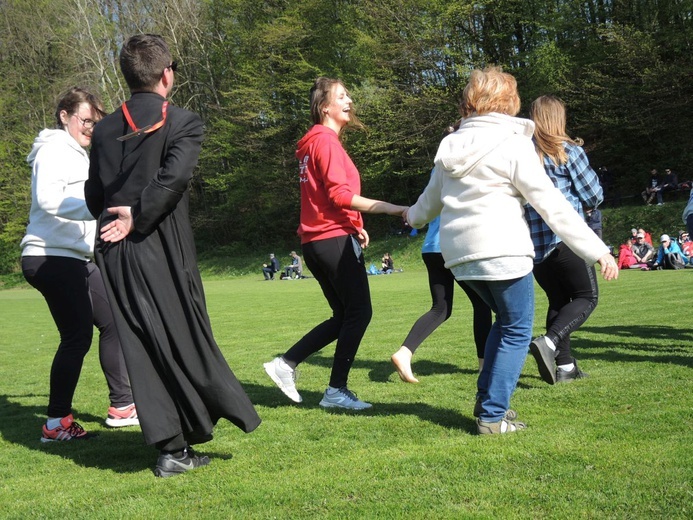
(579, 184)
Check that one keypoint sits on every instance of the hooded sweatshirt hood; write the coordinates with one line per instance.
(460, 152)
(53, 136)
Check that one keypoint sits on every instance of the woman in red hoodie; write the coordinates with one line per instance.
(332, 236)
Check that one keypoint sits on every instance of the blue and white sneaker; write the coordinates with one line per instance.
(342, 398)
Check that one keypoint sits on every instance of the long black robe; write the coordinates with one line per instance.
(181, 383)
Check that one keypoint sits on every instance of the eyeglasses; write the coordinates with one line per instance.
(87, 123)
(173, 66)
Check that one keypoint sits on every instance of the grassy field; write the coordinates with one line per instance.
(615, 445)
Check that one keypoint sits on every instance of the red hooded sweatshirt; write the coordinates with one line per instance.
(329, 180)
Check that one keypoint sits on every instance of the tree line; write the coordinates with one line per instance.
(623, 67)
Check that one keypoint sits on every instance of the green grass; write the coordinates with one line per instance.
(615, 445)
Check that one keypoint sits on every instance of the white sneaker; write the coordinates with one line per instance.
(343, 398)
(284, 377)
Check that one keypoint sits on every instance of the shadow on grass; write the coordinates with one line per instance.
(120, 450)
(626, 344)
(381, 371)
(271, 397)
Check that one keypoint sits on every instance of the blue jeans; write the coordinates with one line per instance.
(508, 342)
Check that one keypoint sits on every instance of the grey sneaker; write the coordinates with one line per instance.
(343, 398)
(284, 377)
(510, 414)
(167, 465)
(502, 426)
(545, 357)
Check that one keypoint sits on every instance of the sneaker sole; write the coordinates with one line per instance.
(327, 404)
(546, 371)
(82, 438)
(269, 369)
(119, 423)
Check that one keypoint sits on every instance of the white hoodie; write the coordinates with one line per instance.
(484, 172)
(59, 222)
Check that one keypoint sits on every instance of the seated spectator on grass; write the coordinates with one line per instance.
(646, 234)
(296, 267)
(669, 255)
(642, 251)
(653, 189)
(269, 269)
(388, 265)
(670, 182)
(626, 259)
(686, 246)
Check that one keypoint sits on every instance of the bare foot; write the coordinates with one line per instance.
(402, 361)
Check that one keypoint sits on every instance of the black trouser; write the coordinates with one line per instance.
(571, 287)
(76, 298)
(441, 282)
(338, 266)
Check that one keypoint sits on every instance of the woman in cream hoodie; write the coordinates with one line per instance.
(483, 174)
(56, 253)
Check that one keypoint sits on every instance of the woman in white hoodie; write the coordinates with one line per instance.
(56, 260)
(484, 172)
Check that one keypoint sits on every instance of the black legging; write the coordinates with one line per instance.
(571, 286)
(441, 282)
(338, 266)
(76, 298)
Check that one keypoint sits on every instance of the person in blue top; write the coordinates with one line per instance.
(570, 284)
(669, 255)
(441, 282)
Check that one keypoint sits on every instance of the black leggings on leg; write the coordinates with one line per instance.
(338, 266)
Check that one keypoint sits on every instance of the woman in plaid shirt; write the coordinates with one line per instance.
(568, 281)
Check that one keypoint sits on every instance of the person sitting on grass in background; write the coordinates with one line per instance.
(646, 236)
(269, 269)
(296, 267)
(669, 255)
(626, 259)
(642, 251)
(388, 265)
(654, 188)
(686, 246)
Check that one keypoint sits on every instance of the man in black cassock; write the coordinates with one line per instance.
(142, 159)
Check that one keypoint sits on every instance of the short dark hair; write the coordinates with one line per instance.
(71, 99)
(143, 59)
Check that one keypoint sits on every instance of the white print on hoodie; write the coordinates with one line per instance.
(59, 222)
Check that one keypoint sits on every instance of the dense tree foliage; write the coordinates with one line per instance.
(623, 67)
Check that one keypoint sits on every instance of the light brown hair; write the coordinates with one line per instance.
(320, 97)
(549, 116)
(490, 90)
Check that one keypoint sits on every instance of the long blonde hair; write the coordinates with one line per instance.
(549, 116)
